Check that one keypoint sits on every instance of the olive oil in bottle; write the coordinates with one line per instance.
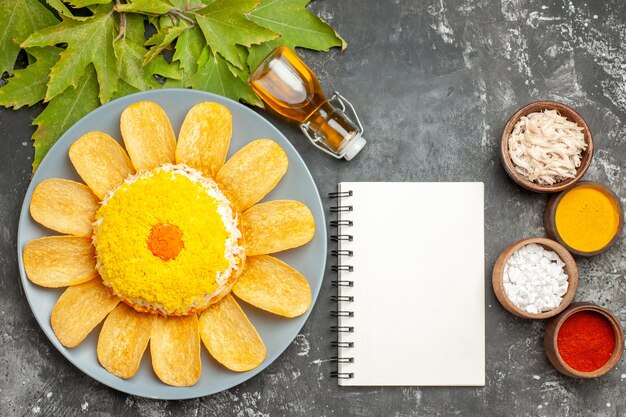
(289, 87)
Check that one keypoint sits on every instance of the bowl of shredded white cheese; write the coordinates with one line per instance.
(535, 278)
(546, 146)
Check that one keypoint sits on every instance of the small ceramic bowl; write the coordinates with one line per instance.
(565, 111)
(549, 221)
(552, 331)
(570, 269)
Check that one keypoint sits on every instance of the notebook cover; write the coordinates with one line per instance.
(418, 284)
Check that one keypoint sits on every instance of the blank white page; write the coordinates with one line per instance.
(418, 284)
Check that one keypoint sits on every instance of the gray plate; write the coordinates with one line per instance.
(310, 260)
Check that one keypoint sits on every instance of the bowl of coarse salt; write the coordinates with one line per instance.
(546, 147)
(535, 278)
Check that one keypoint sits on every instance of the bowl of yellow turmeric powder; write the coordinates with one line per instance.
(587, 219)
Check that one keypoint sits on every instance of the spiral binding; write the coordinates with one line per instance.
(337, 223)
(342, 329)
(337, 268)
(341, 253)
(340, 194)
(341, 313)
(342, 360)
(338, 237)
(337, 298)
(341, 375)
(337, 209)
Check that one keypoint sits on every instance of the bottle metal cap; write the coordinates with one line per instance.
(354, 147)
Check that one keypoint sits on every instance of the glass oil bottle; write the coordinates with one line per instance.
(289, 87)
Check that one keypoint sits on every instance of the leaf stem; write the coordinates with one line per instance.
(181, 15)
(122, 31)
(194, 8)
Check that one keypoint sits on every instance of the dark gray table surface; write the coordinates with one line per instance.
(434, 82)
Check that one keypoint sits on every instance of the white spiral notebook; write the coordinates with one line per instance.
(410, 284)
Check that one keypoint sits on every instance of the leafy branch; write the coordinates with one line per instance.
(84, 53)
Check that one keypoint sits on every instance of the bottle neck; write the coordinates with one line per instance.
(330, 125)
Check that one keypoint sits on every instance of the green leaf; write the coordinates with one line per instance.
(88, 42)
(28, 86)
(162, 39)
(258, 53)
(78, 63)
(146, 6)
(184, 5)
(297, 26)
(129, 51)
(188, 49)
(243, 53)
(214, 75)
(85, 3)
(64, 11)
(244, 73)
(129, 58)
(18, 19)
(161, 67)
(63, 111)
(135, 28)
(224, 26)
(124, 89)
(170, 83)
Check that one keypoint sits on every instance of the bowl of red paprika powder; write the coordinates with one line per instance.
(584, 341)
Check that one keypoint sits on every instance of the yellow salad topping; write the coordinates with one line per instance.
(166, 239)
